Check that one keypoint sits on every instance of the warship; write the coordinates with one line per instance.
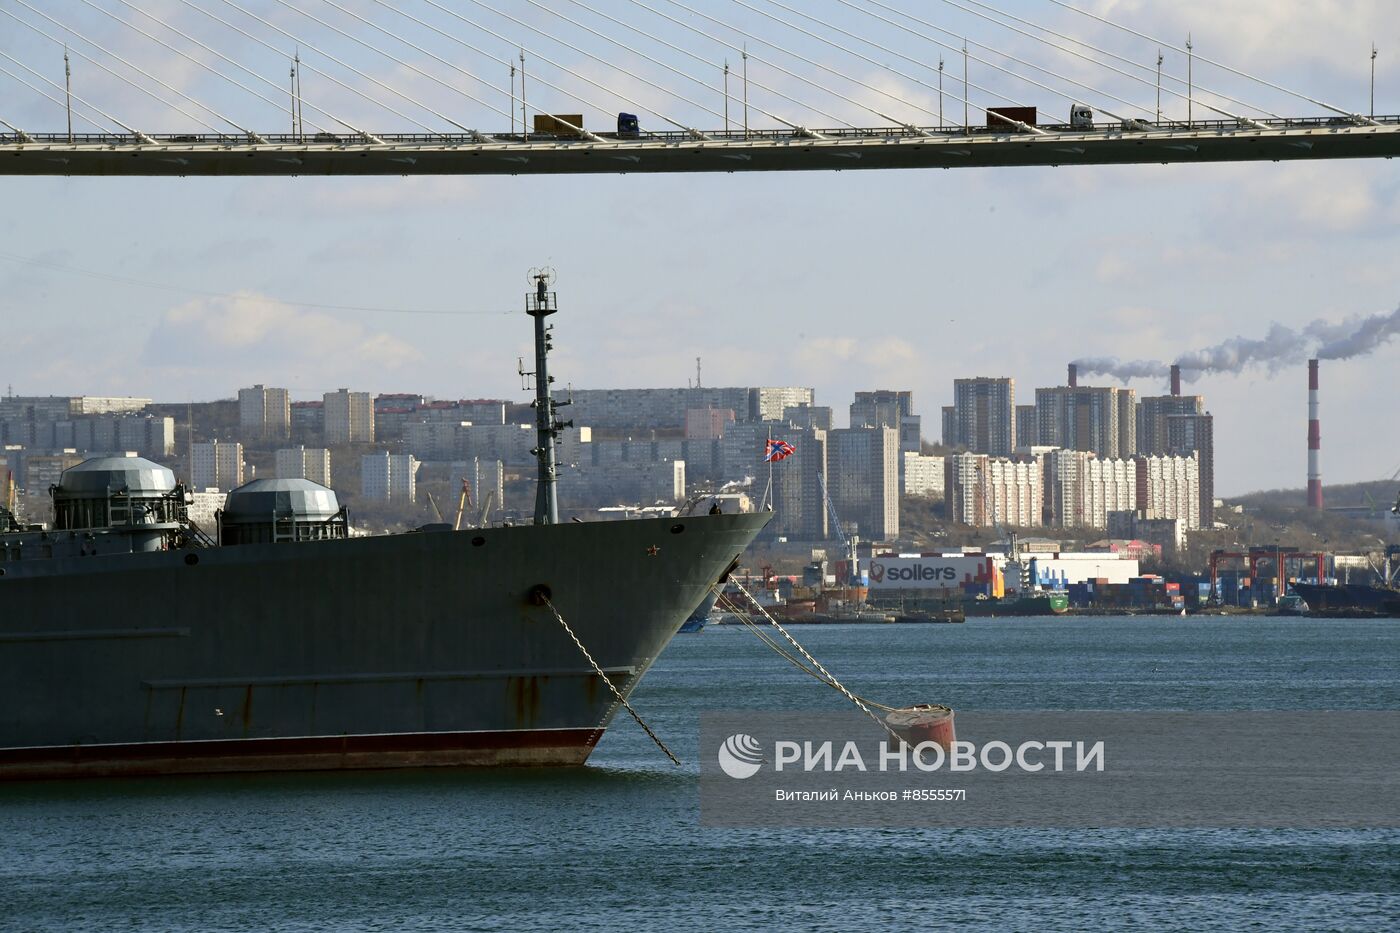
(132, 642)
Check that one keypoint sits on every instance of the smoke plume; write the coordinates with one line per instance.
(1280, 346)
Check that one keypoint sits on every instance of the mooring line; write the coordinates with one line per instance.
(826, 675)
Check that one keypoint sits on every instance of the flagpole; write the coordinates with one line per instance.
(769, 494)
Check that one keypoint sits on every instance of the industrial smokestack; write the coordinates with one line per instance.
(1176, 379)
(1073, 375)
(1314, 441)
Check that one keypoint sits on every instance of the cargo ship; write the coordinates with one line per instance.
(133, 642)
(1349, 600)
(1034, 604)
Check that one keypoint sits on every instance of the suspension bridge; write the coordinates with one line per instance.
(623, 87)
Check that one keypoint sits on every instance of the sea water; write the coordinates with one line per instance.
(617, 846)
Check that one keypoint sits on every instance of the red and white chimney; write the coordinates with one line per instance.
(1314, 441)
(1073, 375)
(1176, 379)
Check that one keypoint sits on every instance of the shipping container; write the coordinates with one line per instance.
(1020, 114)
(549, 124)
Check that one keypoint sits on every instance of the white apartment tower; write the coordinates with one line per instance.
(349, 417)
(217, 465)
(313, 463)
(264, 414)
(389, 477)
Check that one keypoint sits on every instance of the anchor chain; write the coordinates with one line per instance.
(821, 673)
(615, 692)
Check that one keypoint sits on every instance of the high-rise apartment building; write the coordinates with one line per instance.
(1081, 488)
(666, 408)
(1100, 420)
(799, 511)
(982, 490)
(1169, 487)
(1152, 414)
(984, 410)
(387, 477)
(1195, 434)
(862, 468)
(217, 465)
(923, 476)
(313, 463)
(59, 407)
(1026, 433)
(707, 423)
(349, 417)
(809, 416)
(882, 408)
(767, 403)
(264, 414)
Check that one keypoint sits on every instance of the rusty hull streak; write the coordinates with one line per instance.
(525, 699)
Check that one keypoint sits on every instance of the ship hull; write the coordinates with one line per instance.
(1042, 604)
(1345, 598)
(427, 649)
(698, 619)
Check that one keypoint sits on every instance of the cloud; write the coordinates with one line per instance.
(233, 341)
(1257, 35)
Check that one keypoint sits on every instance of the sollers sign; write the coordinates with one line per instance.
(929, 573)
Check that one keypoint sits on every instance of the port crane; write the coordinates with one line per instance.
(464, 502)
(433, 504)
(848, 543)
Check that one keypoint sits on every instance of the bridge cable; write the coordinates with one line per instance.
(128, 64)
(699, 58)
(1360, 118)
(908, 77)
(816, 84)
(1102, 51)
(477, 134)
(418, 48)
(1234, 116)
(25, 137)
(862, 57)
(119, 77)
(20, 134)
(544, 58)
(485, 54)
(218, 74)
(995, 51)
(348, 67)
(636, 77)
(758, 58)
(95, 109)
(365, 134)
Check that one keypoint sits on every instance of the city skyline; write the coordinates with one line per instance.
(1010, 272)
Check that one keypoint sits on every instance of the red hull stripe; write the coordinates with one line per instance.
(316, 753)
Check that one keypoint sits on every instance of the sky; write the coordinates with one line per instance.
(843, 281)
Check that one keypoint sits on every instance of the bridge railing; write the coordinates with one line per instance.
(667, 136)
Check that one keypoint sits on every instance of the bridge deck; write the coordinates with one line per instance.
(174, 155)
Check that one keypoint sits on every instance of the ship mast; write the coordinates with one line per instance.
(540, 304)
